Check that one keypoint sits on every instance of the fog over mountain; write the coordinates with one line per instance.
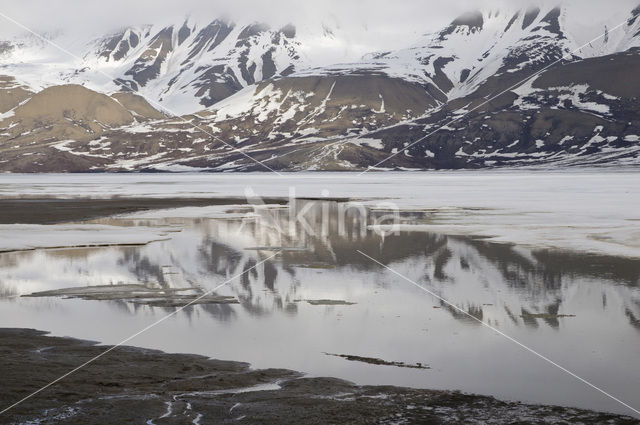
(370, 25)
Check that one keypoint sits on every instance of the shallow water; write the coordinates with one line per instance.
(582, 312)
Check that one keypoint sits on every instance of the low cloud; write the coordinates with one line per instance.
(371, 24)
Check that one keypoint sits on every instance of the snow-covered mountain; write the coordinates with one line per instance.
(184, 67)
(273, 94)
(479, 45)
(181, 67)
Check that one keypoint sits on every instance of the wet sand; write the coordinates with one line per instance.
(132, 385)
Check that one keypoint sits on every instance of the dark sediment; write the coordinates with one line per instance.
(330, 302)
(53, 211)
(381, 362)
(131, 385)
(139, 294)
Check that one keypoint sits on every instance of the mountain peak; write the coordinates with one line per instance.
(469, 22)
(472, 19)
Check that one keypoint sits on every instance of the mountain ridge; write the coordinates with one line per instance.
(260, 94)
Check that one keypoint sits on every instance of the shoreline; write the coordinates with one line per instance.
(139, 385)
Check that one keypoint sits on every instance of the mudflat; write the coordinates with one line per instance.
(133, 385)
(53, 211)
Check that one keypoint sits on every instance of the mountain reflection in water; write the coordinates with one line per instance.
(581, 310)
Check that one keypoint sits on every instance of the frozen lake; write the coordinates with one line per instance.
(567, 289)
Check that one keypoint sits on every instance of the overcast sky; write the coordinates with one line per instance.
(376, 23)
